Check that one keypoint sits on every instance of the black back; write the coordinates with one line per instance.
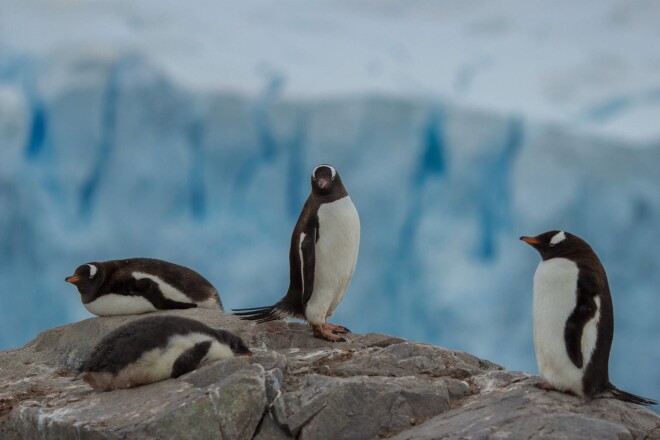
(126, 344)
(592, 283)
(116, 276)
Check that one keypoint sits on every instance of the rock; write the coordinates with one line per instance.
(270, 430)
(297, 386)
(407, 358)
(529, 412)
(359, 407)
(239, 402)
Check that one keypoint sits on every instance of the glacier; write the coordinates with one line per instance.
(187, 132)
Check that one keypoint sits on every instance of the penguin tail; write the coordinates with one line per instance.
(632, 398)
(259, 314)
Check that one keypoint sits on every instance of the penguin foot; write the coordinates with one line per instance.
(336, 329)
(323, 332)
(547, 386)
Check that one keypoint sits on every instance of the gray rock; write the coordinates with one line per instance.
(215, 372)
(297, 385)
(359, 407)
(171, 408)
(408, 358)
(530, 413)
(239, 402)
(270, 430)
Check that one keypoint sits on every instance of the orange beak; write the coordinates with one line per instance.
(323, 183)
(530, 240)
(73, 279)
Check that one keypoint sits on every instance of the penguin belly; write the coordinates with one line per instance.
(336, 252)
(555, 298)
(115, 304)
(156, 365)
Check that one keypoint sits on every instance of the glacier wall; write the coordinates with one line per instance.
(106, 154)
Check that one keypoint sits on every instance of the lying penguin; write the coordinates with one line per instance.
(573, 318)
(156, 348)
(141, 285)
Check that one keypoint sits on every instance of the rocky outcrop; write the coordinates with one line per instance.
(297, 386)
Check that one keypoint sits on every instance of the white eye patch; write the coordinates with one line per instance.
(332, 170)
(558, 238)
(92, 270)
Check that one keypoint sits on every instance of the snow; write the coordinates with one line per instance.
(187, 131)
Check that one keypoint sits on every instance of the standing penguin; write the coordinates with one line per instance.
(156, 348)
(573, 318)
(322, 258)
(141, 285)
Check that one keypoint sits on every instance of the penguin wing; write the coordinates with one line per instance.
(308, 262)
(585, 309)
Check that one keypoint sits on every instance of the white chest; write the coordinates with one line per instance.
(555, 298)
(339, 241)
(114, 304)
(336, 254)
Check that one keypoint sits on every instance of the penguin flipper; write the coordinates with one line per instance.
(308, 263)
(151, 291)
(630, 397)
(585, 309)
(190, 359)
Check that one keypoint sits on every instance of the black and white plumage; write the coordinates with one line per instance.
(573, 318)
(322, 257)
(141, 285)
(156, 348)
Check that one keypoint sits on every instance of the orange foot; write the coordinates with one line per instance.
(324, 332)
(335, 328)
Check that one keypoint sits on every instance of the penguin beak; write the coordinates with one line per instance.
(530, 240)
(323, 183)
(73, 279)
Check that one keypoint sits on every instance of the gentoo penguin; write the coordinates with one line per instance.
(573, 318)
(156, 348)
(141, 285)
(322, 257)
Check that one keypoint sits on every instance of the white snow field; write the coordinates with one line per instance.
(187, 131)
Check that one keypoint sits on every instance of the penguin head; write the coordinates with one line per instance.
(235, 343)
(555, 244)
(326, 181)
(86, 276)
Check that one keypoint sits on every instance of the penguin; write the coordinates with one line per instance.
(573, 318)
(141, 285)
(322, 258)
(156, 348)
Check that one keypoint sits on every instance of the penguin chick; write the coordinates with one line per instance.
(322, 258)
(141, 285)
(156, 348)
(573, 318)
